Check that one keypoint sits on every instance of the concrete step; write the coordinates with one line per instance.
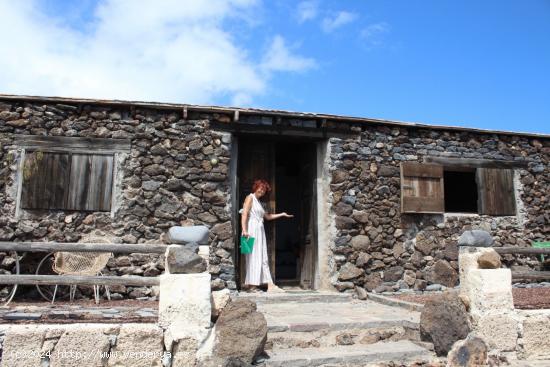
(296, 296)
(354, 355)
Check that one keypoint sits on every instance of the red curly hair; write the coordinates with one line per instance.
(261, 183)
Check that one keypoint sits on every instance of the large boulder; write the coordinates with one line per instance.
(240, 332)
(184, 260)
(476, 238)
(469, 352)
(443, 321)
(443, 273)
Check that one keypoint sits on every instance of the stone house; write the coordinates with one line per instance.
(378, 204)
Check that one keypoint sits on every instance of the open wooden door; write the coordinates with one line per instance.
(257, 161)
(307, 220)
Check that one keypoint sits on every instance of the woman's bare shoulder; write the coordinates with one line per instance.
(248, 200)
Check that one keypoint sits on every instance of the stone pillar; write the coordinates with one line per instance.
(185, 309)
(489, 295)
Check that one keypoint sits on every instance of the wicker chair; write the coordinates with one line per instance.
(81, 263)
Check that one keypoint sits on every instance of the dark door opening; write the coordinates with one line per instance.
(289, 166)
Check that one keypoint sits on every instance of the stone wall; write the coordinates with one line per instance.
(176, 172)
(379, 248)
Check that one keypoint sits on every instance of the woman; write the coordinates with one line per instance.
(252, 224)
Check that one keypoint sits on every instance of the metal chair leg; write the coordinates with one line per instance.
(54, 292)
(108, 292)
(72, 292)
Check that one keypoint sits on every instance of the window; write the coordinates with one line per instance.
(460, 191)
(68, 173)
(67, 181)
(434, 188)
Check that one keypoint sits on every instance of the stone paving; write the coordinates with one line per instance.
(299, 316)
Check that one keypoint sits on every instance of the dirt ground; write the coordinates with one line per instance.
(524, 298)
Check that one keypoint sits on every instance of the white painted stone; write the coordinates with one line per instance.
(184, 306)
(184, 353)
(536, 335)
(137, 345)
(488, 290)
(22, 346)
(83, 345)
(219, 301)
(467, 261)
(499, 331)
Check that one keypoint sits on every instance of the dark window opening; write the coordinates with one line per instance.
(460, 192)
(67, 181)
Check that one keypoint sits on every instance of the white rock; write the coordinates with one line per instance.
(499, 331)
(137, 345)
(22, 345)
(536, 335)
(489, 290)
(184, 306)
(219, 301)
(467, 261)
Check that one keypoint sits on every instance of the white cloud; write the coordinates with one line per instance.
(374, 32)
(173, 51)
(330, 24)
(279, 58)
(307, 10)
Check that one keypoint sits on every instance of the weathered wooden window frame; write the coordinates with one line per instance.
(71, 145)
(481, 166)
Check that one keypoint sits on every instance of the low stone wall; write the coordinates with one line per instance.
(517, 334)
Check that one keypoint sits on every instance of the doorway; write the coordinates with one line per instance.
(289, 166)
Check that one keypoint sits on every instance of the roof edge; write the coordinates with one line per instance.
(257, 111)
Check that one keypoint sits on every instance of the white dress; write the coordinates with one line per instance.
(257, 264)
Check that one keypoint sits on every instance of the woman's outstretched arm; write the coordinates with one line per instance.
(244, 218)
(268, 216)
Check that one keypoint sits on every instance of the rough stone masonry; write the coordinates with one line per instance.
(177, 171)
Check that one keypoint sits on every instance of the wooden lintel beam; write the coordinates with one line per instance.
(477, 163)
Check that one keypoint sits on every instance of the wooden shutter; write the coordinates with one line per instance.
(45, 180)
(91, 182)
(422, 188)
(496, 191)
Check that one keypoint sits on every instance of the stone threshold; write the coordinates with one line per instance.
(411, 306)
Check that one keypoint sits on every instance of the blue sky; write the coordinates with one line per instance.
(482, 64)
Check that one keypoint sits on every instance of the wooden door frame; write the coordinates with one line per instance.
(237, 142)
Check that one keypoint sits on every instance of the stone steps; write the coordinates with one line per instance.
(317, 329)
(399, 351)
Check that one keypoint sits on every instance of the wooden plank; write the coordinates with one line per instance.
(101, 183)
(530, 275)
(45, 180)
(82, 247)
(79, 280)
(71, 144)
(416, 169)
(422, 188)
(91, 182)
(422, 205)
(522, 250)
(79, 181)
(496, 191)
(450, 162)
